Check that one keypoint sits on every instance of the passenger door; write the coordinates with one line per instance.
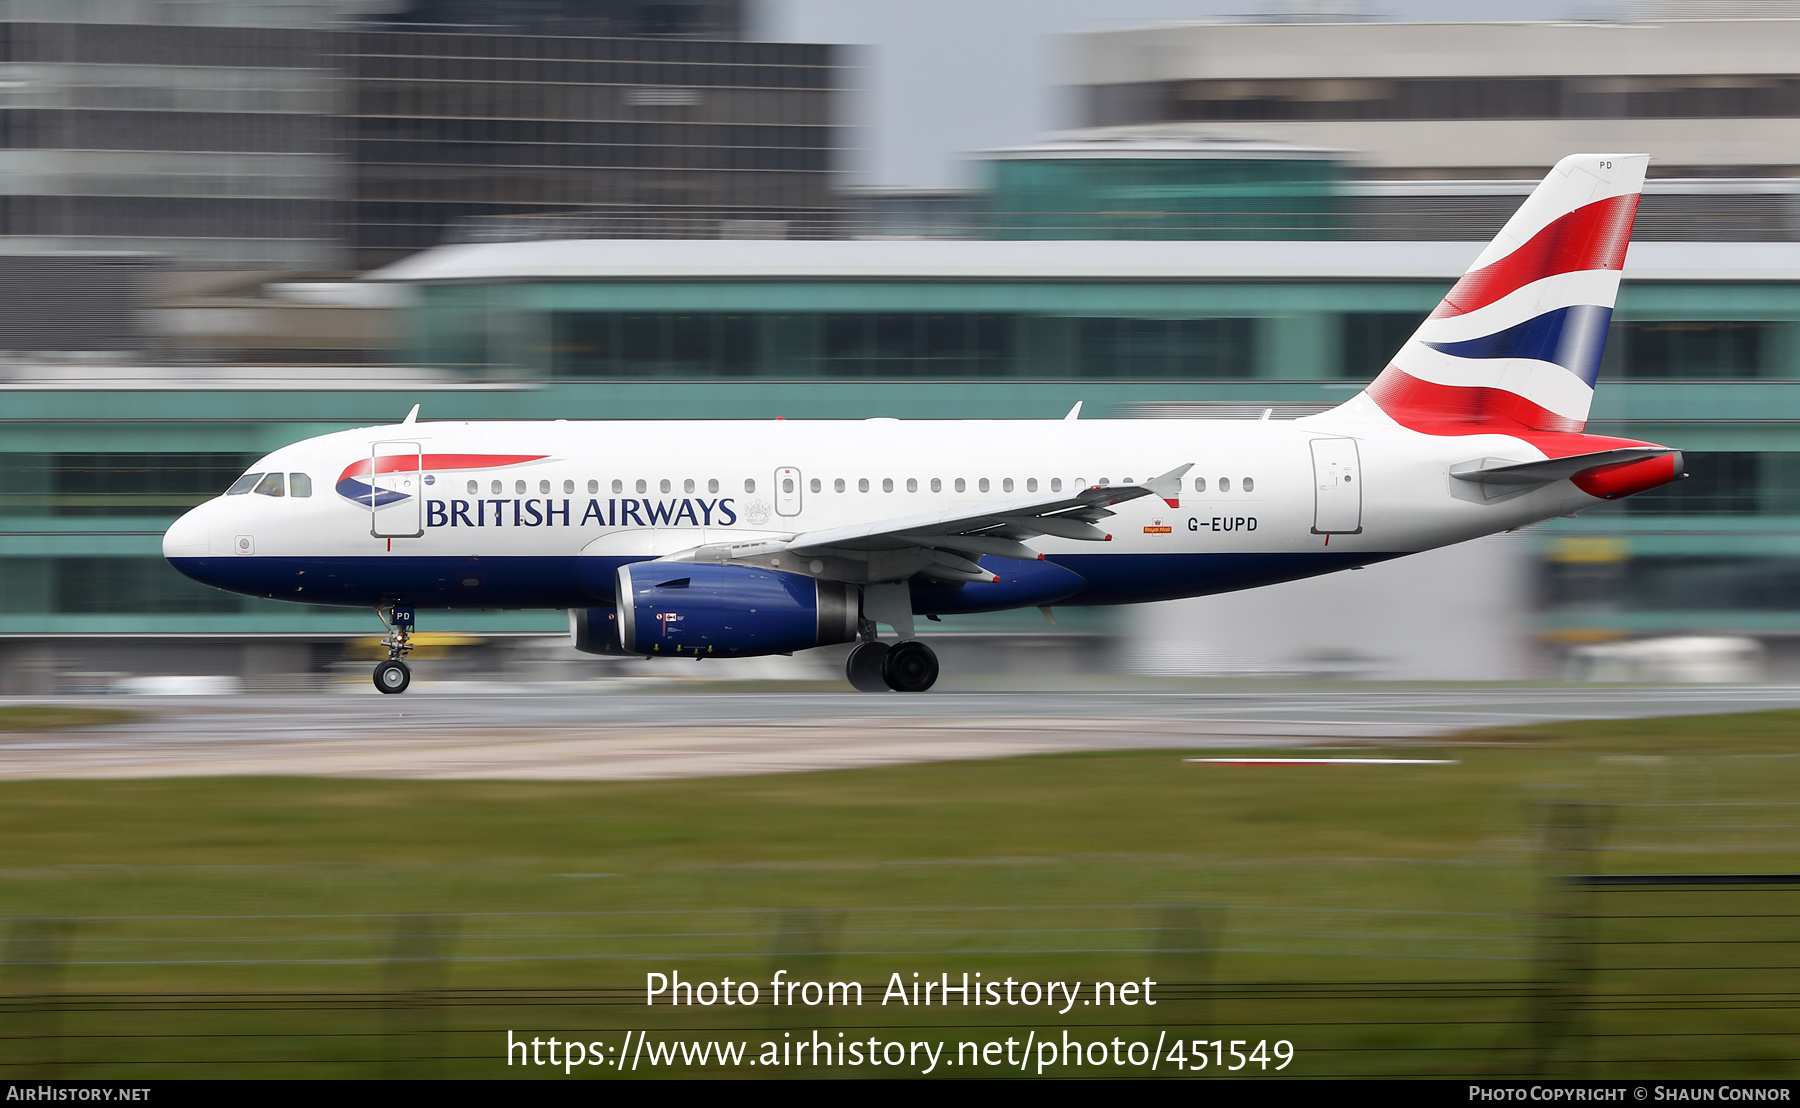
(396, 490)
(1337, 487)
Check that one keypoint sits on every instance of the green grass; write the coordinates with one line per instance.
(1386, 920)
(41, 718)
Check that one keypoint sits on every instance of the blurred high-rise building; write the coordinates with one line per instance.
(204, 146)
(145, 145)
(1715, 97)
(480, 135)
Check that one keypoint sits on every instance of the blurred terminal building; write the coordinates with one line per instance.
(240, 225)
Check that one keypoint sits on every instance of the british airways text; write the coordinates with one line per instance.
(617, 512)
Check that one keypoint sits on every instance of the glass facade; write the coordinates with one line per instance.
(160, 485)
(213, 146)
(319, 148)
(1724, 349)
(465, 134)
(1174, 196)
(896, 345)
(1663, 96)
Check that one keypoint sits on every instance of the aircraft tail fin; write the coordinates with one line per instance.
(1516, 344)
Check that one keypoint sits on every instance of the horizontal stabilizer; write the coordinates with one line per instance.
(1500, 471)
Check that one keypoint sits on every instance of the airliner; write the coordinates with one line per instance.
(740, 538)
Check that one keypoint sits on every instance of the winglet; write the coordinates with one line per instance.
(1074, 413)
(411, 417)
(1168, 486)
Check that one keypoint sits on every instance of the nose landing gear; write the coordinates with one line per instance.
(393, 675)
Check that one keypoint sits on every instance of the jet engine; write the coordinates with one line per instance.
(726, 611)
(595, 631)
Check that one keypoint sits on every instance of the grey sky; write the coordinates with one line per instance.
(941, 78)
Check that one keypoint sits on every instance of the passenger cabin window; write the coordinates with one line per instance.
(299, 484)
(568, 487)
(270, 485)
(618, 485)
(1249, 485)
(518, 488)
(1031, 484)
(688, 485)
(1056, 484)
(243, 484)
(816, 486)
(937, 485)
(961, 484)
(887, 484)
(642, 487)
(838, 485)
(862, 484)
(749, 484)
(593, 486)
(1006, 485)
(1199, 484)
(912, 484)
(494, 488)
(474, 487)
(712, 484)
(663, 485)
(1224, 484)
(983, 484)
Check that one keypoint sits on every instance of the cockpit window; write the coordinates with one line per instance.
(271, 485)
(299, 484)
(243, 484)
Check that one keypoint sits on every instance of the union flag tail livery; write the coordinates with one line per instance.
(771, 536)
(1516, 344)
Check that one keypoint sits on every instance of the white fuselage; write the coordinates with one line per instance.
(549, 529)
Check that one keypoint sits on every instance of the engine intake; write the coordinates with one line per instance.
(726, 611)
(596, 631)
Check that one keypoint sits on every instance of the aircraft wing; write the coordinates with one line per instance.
(950, 542)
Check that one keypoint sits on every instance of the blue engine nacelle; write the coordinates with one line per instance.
(726, 611)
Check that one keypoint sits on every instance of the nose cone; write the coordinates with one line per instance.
(188, 538)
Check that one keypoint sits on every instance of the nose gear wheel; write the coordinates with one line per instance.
(392, 677)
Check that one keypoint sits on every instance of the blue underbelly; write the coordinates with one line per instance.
(577, 582)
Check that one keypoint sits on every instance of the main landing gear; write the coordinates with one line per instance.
(904, 667)
(393, 675)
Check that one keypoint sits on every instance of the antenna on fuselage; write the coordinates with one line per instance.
(1075, 412)
(411, 417)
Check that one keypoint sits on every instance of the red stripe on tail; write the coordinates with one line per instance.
(1591, 237)
(1433, 409)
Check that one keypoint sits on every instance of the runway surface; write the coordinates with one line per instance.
(610, 733)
